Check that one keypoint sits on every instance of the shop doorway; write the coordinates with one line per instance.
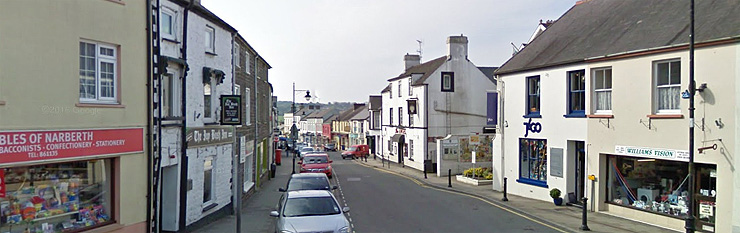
(170, 198)
(580, 176)
(401, 150)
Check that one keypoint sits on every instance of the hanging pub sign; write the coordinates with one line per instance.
(231, 110)
(412, 106)
(491, 108)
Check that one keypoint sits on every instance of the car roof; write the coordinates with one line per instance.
(301, 175)
(317, 155)
(309, 193)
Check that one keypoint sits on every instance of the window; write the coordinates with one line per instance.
(376, 119)
(411, 120)
(603, 90)
(533, 161)
(390, 90)
(171, 89)
(78, 193)
(448, 81)
(411, 150)
(399, 88)
(247, 104)
(533, 96)
(390, 120)
(247, 67)
(576, 92)
(668, 86)
(98, 81)
(207, 100)
(208, 180)
(210, 40)
(400, 116)
(167, 23)
(237, 56)
(411, 90)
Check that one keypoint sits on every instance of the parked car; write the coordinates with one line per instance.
(305, 150)
(308, 181)
(319, 163)
(330, 147)
(310, 211)
(356, 151)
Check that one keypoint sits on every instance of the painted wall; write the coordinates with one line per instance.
(717, 66)
(556, 128)
(221, 194)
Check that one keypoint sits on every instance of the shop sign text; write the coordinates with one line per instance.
(26, 146)
(204, 136)
(535, 127)
(652, 153)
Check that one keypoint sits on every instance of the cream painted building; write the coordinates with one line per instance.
(637, 119)
(73, 114)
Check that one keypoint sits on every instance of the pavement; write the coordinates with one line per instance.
(564, 217)
(255, 212)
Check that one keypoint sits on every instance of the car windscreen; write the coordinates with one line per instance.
(308, 183)
(310, 206)
(315, 159)
(307, 149)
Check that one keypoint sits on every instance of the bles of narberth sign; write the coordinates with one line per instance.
(29, 146)
(231, 110)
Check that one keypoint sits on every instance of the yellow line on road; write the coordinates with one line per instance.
(464, 194)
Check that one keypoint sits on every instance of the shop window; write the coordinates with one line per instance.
(533, 161)
(56, 197)
(661, 186)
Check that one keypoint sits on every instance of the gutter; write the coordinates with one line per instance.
(149, 162)
(183, 203)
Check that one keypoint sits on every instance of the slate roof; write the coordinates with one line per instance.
(361, 114)
(386, 89)
(598, 28)
(426, 69)
(376, 102)
(346, 115)
(488, 71)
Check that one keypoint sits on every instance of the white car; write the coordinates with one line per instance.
(305, 150)
(310, 211)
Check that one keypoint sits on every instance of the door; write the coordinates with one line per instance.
(401, 143)
(170, 198)
(580, 156)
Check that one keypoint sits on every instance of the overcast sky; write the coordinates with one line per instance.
(346, 50)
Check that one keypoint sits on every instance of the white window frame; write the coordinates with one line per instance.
(411, 89)
(237, 56)
(247, 106)
(173, 18)
(102, 58)
(656, 98)
(209, 167)
(390, 91)
(596, 90)
(400, 116)
(390, 119)
(171, 94)
(399, 88)
(247, 67)
(208, 112)
(210, 34)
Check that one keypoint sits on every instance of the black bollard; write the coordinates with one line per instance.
(293, 172)
(425, 171)
(584, 225)
(505, 198)
(449, 178)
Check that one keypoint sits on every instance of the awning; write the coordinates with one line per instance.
(397, 137)
(208, 72)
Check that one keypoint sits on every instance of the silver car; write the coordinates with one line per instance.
(310, 211)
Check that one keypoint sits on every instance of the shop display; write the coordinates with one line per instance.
(56, 197)
(533, 164)
(659, 186)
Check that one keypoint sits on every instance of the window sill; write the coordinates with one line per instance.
(211, 53)
(96, 105)
(532, 182)
(210, 123)
(601, 116)
(532, 115)
(170, 40)
(209, 207)
(665, 116)
(575, 115)
(117, 1)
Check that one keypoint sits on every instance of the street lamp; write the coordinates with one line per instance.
(294, 129)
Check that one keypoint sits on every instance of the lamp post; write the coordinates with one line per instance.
(690, 227)
(294, 129)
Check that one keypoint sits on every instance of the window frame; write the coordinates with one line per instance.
(399, 88)
(529, 113)
(247, 106)
(390, 120)
(390, 90)
(172, 96)
(208, 109)
(656, 86)
(210, 47)
(237, 55)
(247, 66)
(400, 116)
(571, 93)
(596, 90)
(411, 89)
(173, 19)
(99, 58)
(450, 85)
(209, 183)
(528, 180)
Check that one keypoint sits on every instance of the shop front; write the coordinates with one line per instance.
(60, 181)
(655, 182)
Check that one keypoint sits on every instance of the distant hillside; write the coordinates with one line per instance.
(284, 106)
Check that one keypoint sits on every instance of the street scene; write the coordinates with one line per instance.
(318, 116)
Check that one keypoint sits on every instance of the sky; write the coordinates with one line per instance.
(346, 50)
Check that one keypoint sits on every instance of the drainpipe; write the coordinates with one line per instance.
(237, 197)
(183, 128)
(426, 124)
(256, 114)
(502, 120)
(149, 162)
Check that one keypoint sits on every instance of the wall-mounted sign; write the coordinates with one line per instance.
(474, 140)
(206, 136)
(654, 153)
(535, 127)
(556, 162)
(28, 146)
(231, 110)
(411, 106)
(491, 108)
(2, 183)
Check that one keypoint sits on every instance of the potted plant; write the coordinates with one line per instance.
(555, 194)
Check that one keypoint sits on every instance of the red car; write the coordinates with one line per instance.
(356, 151)
(316, 163)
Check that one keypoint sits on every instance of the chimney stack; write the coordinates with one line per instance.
(411, 60)
(457, 47)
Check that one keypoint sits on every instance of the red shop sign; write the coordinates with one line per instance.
(2, 183)
(26, 146)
